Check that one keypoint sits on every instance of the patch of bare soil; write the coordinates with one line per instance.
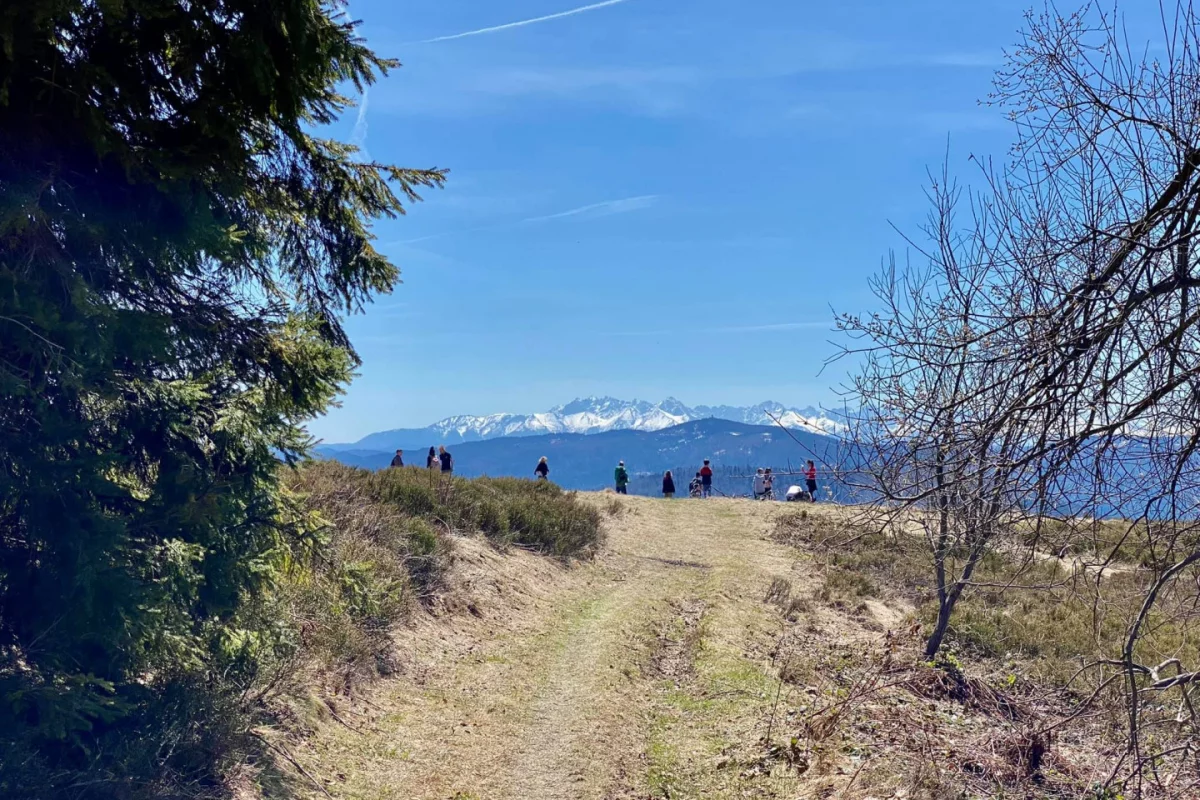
(676, 647)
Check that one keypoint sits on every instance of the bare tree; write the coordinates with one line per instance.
(926, 397)
(1046, 356)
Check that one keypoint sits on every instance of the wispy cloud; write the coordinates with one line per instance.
(780, 326)
(444, 234)
(522, 23)
(981, 58)
(604, 209)
(770, 328)
(568, 80)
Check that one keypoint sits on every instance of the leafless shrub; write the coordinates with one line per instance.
(779, 592)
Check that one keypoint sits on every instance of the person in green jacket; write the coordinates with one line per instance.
(621, 477)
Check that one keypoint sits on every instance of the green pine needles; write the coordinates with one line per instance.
(177, 246)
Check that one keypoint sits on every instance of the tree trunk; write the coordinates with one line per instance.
(934, 642)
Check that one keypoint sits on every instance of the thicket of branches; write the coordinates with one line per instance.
(1043, 356)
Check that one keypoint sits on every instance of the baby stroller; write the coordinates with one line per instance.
(795, 494)
(694, 488)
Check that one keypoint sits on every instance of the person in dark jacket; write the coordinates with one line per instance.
(621, 478)
(668, 485)
(398, 459)
(432, 459)
(542, 470)
(446, 460)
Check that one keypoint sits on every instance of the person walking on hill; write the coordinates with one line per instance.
(621, 477)
(768, 485)
(431, 460)
(542, 470)
(810, 480)
(446, 460)
(706, 476)
(398, 459)
(668, 485)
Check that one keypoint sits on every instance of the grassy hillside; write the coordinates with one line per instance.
(729, 649)
(384, 543)
(1029, 662)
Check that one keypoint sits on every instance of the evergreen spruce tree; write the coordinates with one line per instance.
(177, 247)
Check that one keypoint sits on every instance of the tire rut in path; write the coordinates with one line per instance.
(559, 700)
(676, 653)
(572, 747)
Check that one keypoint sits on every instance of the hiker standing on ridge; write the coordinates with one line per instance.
(542, 470)
(810, 480)
(668, 485)
(431, 460)
(621, 477)
(446, 460)
(706, 476)
(398, 459)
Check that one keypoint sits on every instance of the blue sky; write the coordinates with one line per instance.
(651, 197)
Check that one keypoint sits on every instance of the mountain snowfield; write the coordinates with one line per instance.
(598, 415)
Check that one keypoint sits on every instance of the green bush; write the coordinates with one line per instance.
(535, 514)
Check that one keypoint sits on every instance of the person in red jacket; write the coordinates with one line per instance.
(810, 480)
(706, 476)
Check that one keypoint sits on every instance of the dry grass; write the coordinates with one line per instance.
(868, 717)
(857, 559)
(1097, 541)
(387, 548)
(541, 690)
(1022, 634)
(698, 658)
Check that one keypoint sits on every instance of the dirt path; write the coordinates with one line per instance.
(625, 678)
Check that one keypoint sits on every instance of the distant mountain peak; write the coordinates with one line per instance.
(592, 414)
(673, 406)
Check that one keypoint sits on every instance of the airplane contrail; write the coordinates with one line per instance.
(359, 137)
(605, 208)
(524, 22)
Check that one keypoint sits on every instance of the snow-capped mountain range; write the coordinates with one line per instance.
(596, 415)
